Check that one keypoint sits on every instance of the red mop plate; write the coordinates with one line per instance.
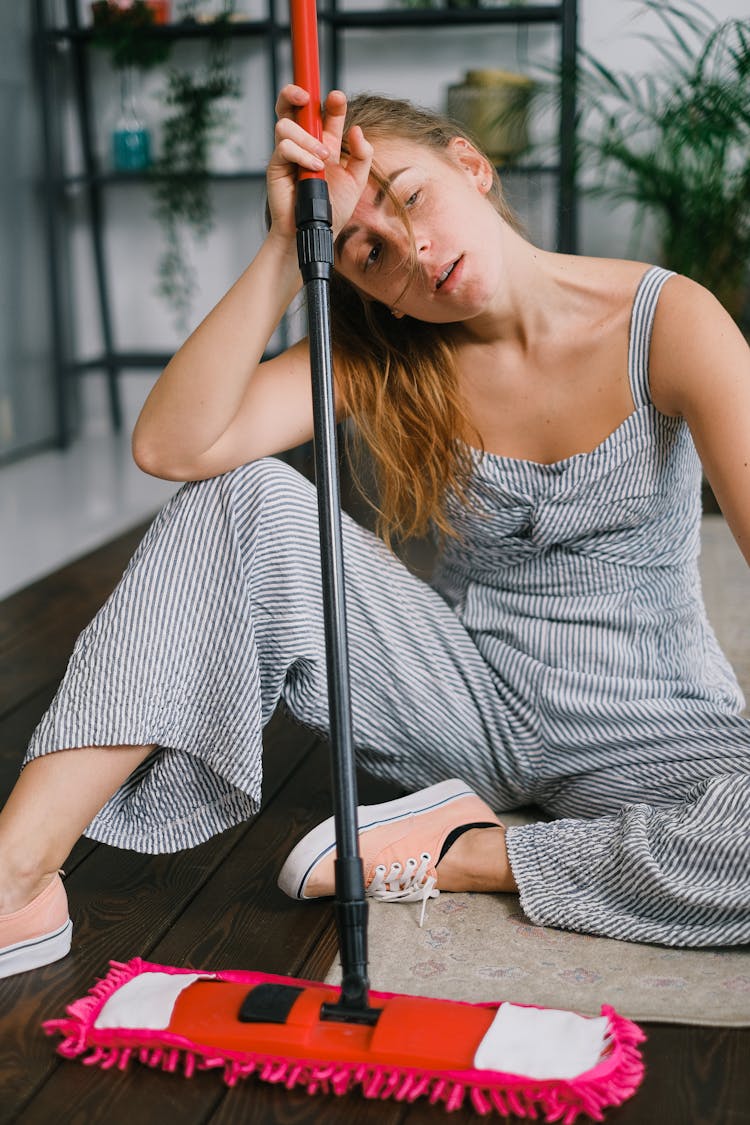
(186, 1020)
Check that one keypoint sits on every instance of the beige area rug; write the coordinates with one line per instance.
(726, 589)
(482, 947)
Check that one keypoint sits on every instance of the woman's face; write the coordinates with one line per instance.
(454, 230)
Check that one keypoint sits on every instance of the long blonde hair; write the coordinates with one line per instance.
(398, 377)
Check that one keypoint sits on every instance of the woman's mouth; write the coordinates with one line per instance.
(448, 276)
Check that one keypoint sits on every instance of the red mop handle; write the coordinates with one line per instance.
(304, 25)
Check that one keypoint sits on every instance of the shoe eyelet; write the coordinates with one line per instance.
(426, 856)
(380, 869)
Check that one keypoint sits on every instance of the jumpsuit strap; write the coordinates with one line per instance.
(641, 326)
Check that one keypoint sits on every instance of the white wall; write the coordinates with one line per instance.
(408, 64)
(27, 415)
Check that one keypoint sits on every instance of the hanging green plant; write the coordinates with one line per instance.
(124, 32)
(181, 185)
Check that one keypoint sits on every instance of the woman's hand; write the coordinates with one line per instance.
(296, 148)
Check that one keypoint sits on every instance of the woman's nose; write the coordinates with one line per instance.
(422, 243)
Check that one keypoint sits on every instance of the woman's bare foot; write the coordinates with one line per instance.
(477, 861)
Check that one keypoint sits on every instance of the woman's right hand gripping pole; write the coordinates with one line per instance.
(217, 404)
(295, 148)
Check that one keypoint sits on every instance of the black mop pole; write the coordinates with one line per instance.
(315, 253)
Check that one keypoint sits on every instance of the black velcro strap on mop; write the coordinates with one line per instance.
(269, 1003)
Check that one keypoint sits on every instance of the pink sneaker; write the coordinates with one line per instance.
(38, 933)
(400, 842)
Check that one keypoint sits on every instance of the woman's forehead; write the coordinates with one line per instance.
(390, 153)
(386, 148)
(394, 160)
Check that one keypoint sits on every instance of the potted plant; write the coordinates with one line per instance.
(196, 121)
(676, 142)
(124, 33)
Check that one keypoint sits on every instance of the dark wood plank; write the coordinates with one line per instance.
(713, 1085)
(695, 1075)
(122, 904)
(38, 628)
(16, 729)
(239, 918)
(279, 1106)
(39, 625)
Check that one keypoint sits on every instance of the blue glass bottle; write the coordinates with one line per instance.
(131, 140)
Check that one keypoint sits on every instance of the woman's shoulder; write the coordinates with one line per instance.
(693, 339)
(687, 315)
(609, 285)
(680, 298)
(616, 277)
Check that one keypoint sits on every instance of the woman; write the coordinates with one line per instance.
(542, 413)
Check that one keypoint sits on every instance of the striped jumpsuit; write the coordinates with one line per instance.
(560, 656)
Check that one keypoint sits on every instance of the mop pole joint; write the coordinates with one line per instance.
(314, 230)
(350, 910)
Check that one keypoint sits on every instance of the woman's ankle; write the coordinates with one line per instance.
(20, 886)
(478, 861)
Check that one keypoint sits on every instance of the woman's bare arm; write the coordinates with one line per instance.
(201, 417)
(216, 405)
(700, 369)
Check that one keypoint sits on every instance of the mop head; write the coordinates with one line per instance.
(500, 1057)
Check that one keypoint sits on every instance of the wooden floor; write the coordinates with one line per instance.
(218, 907)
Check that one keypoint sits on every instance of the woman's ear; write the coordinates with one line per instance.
(472, 162)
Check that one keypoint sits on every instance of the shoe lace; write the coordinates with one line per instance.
(410, 882)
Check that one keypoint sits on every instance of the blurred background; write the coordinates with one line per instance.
(135, 138)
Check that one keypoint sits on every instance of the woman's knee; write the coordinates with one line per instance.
(267, 483)
(267, 487)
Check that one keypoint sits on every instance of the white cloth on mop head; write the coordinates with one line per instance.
(147, 1001)
(542, 1042)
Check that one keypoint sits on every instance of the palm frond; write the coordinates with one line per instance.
(672, 15)
(681, 65)
(675, 141)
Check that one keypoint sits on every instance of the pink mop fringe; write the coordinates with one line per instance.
(614, 1079)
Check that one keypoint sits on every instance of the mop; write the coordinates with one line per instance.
(495, 1057)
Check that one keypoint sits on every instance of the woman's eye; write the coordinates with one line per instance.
(412, 199)
(373, 256)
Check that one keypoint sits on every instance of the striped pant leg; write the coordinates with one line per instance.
(665, 855)
(218, 617)
(426, 706)
(170, 660)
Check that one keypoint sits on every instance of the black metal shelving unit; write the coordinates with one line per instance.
(69, 45)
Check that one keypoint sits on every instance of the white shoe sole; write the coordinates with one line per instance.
(321, 841)
(34, 953)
